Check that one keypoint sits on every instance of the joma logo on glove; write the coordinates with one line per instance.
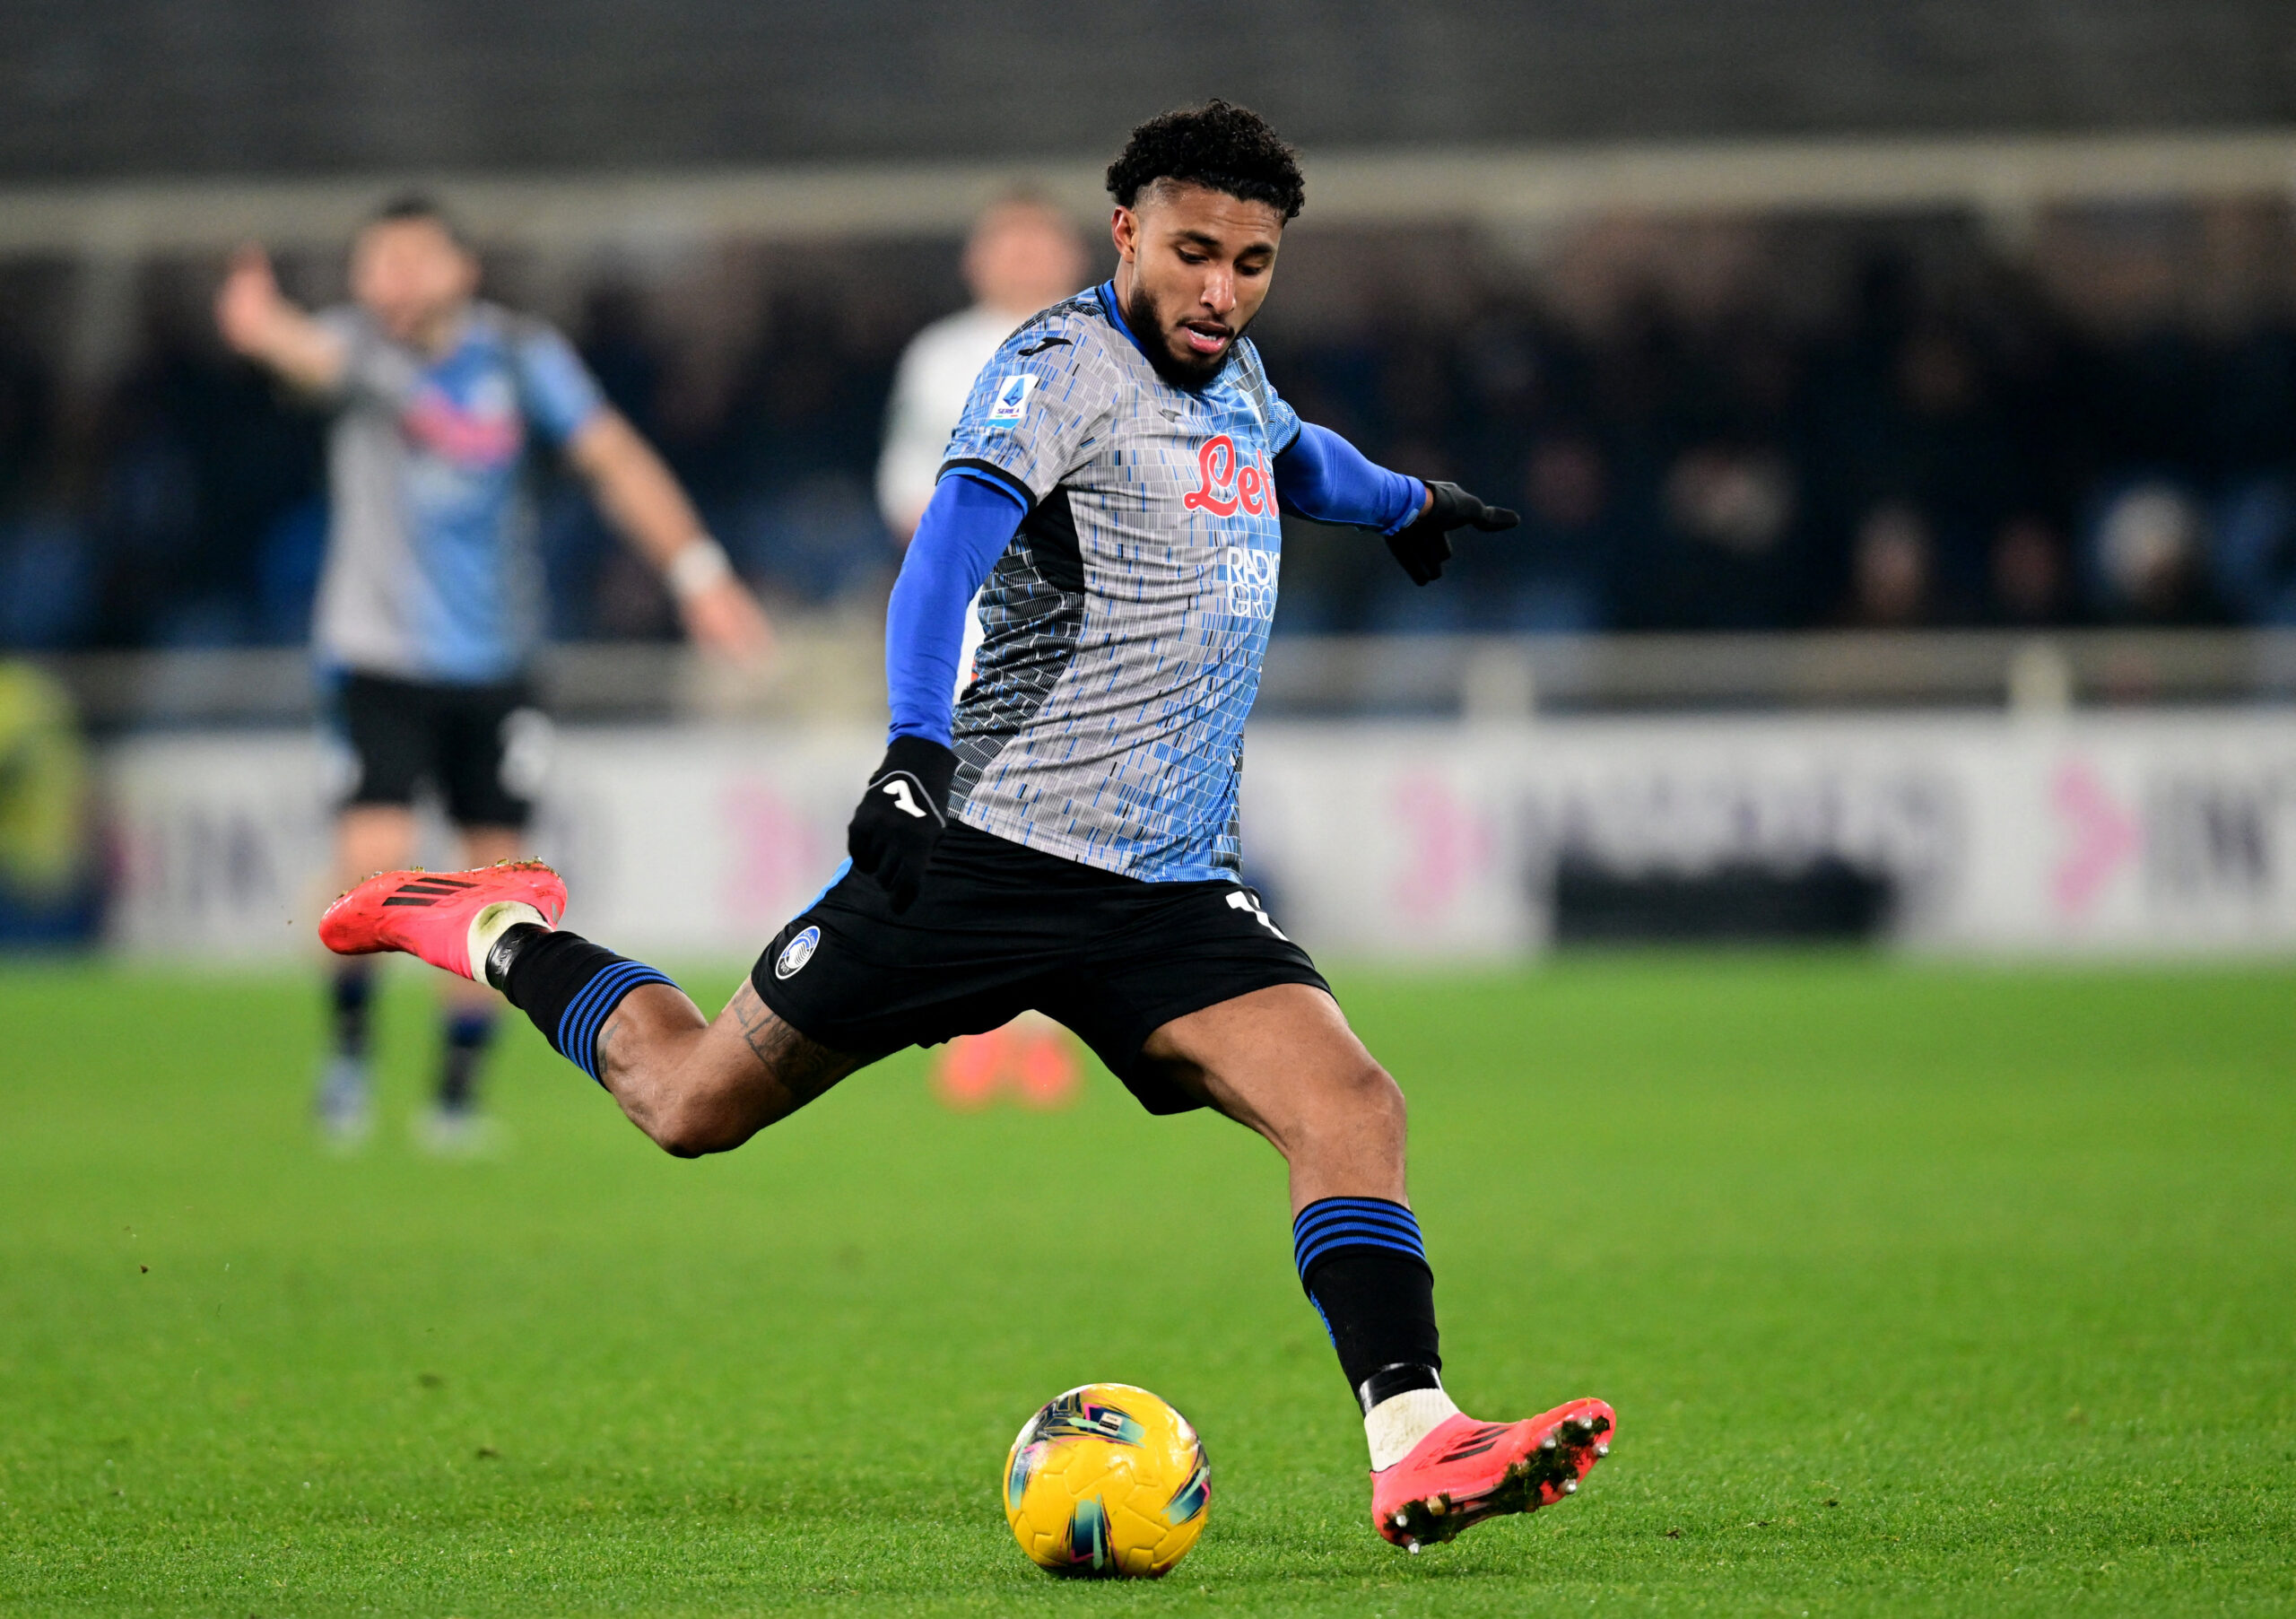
(904, 797)
(1223, 486)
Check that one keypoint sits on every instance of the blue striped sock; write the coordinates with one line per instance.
(587, 1013)
(1366, 1272)
(569, 986)
(1331, 1226)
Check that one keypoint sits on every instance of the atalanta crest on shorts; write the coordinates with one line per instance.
(1012, 401)
(797, 952)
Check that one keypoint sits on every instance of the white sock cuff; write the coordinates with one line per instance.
(491, 922)
(1398, 1423)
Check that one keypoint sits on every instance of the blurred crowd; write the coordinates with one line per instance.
(1924, 439)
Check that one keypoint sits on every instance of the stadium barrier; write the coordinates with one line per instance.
(830, 669)
(2137, 833)
(1515, 188)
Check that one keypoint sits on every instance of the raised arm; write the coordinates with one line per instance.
(259, 321)
(642, 500)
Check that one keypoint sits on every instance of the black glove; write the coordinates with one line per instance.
(1425, 546)
(902, 816)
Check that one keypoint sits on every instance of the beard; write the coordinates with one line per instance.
(1187, 372)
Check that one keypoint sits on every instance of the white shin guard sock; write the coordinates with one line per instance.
(1401, 1421)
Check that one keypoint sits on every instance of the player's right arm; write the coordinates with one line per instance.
(1321, 476)
(1034, 409)
(966, 528)
(258, 320)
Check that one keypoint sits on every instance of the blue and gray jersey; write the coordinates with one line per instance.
(1124, 627)
(431, 571)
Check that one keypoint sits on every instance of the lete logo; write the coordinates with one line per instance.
(485, 433)
(1223, 486)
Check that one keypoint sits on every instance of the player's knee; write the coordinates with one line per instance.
(689, 1122)
(1365, 1095)
(674, 1134)
(686, 1131)
(1385, 1097)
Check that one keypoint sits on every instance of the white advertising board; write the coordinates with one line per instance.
(685, 839)
(2122, 835)
(2130, 834)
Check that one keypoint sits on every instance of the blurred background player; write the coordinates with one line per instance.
(427, 612)
(1022, 255)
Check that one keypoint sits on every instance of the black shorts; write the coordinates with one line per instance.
(471, 744)
(999, 929)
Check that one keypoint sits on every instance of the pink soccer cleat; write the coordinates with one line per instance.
(433, 914)
(1466, 1471)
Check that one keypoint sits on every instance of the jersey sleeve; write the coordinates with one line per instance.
(373, 369)
(1283, 421)
(555, 388)
(1039, 408)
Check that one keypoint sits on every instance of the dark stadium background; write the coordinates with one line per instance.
(109, 89)
(1988, 383)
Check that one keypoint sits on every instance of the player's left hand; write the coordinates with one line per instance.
(248, 303)
(1425, 546)
(902, 816)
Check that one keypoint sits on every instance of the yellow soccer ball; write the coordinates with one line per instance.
(1107, 1480)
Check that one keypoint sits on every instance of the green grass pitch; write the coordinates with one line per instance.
(1917, 1289)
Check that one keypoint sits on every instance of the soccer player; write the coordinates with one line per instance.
(1021, 255)
(428, 604)
(1068, 839)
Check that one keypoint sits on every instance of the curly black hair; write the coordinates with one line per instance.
(1218, 146)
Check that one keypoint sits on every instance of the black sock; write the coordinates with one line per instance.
(349, 997)
(1366, 1272)
(469, 1029)
(566, 985)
